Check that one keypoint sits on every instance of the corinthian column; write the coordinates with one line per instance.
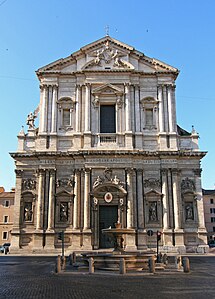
(40, 200)
(44, 108)
(140, 219)
(199, 199)
(137, 108)
(18, 195)
(87, 108)
(127, 108)
(161, 111)
(177, 216)
(51, 200)
(169, 100)
(86, 199)
(54, 109)
(165, 199)
(130, 208)
(78, 117)
(76, 211)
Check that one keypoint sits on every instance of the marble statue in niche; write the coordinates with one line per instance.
(63, 212)
(153, 211)
(28, 211)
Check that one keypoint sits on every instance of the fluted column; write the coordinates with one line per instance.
(165, 108)
(199, 198)
(51, 200)
(140, 199)
(44, 108)
(40, 200)
(76, 211)
(161, 110)
(86, 199)
(54, 109)
(18, 194)
(78, 115)
(127, 108)
(137, 108)
(169, 100)
(177, 218)
(87, 107)
(118, 114)
(130, 208)
(165, 199)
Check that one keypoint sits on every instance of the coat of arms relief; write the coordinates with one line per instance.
(108, 56)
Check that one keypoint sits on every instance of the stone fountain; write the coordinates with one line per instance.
(134, 260)
(117, 234)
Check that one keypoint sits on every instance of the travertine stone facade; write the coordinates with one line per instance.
(107, 149)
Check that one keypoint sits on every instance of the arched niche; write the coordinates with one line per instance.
(64, 209)
(106, 199)
(153, 208)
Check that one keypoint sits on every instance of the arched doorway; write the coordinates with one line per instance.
(108, 207)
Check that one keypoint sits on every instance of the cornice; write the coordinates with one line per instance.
(85, 153)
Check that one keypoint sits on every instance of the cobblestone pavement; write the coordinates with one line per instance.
(34, 277)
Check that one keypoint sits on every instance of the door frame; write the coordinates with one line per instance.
(119, 195)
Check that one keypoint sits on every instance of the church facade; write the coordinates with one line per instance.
(107, 149)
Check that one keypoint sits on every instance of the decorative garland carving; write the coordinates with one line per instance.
(152, 183)
(29, 184)
(188, 184)
(66, 182)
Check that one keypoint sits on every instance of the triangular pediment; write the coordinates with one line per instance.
(153, 192)
(107, 89)
(107, 54)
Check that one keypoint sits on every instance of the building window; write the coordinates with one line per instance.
(212, 200)
(212, 210)
(214, 229)
(6, 218)
(7, 203)
(4, 235)
(66, 117)
(149, 117)
(212, 219)
(107, 119)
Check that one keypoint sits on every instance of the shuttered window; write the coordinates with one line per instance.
(107, 119)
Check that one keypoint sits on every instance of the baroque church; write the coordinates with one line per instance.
(107, 149)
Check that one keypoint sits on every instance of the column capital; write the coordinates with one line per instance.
(130, 171)
(40, 171)
(197, 172)
(164, 171)
(139, 171)
(52, 171)
(87, 170)
(18, 173)
(175, 171)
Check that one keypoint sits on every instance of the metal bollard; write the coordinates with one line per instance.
(151, 264)
(63, 262)
(70, 259)
(58, 264)
(73, 257)
(186, 264)
(122, 267)
(91, 265)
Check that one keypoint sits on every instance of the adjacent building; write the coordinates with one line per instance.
(209, 211)
(6, 214)
(107, 149)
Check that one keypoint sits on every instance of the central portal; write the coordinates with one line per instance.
(108, 216)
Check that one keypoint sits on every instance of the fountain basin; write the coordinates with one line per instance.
(134, 261)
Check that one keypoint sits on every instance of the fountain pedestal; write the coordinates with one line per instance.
(117, 234)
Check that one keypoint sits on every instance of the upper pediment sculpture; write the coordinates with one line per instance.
(108, 56)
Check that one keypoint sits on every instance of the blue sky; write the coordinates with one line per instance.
(34, 33)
